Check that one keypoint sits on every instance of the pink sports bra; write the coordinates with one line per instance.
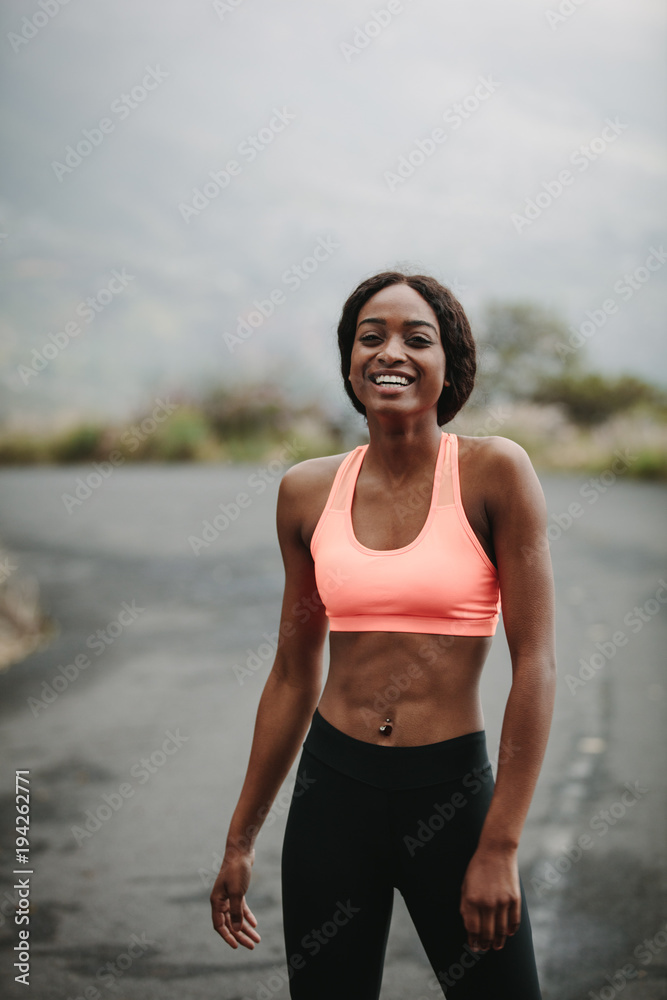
(442, 582)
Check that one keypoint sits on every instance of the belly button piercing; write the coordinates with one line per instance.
(386, 728)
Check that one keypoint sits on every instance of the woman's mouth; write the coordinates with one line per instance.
(391, 381)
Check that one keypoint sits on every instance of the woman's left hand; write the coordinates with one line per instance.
(491, 898)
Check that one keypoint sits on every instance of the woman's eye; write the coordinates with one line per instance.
(419, 340)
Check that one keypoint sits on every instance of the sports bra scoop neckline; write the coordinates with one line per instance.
(424, 528)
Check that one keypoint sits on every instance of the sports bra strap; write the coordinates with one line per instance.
(446, 494)
(345, 477)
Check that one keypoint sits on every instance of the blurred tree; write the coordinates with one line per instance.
(80, 444)
(589, 398)
(246, 410)
(260, 409)
(517, 350)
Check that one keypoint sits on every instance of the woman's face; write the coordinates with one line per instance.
(398, 361)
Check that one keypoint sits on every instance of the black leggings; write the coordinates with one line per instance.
(364, 819)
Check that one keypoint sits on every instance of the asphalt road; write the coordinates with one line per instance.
(135, 731)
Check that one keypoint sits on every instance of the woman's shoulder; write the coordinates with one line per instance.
(303, 493)
(309, 478)
(494, 451)
(502, 471)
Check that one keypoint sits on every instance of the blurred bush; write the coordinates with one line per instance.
(243, 424)
(24, 449)
(81, 444)
(256, 410)
(183, 436)
(589, 399)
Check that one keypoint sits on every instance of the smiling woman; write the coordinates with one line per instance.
(422, 531)
(436, 314)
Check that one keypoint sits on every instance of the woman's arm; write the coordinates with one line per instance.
(285, 709)
(491, 899)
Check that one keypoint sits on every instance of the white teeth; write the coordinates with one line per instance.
(391, 380)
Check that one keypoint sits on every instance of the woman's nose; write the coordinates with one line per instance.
(392, 350)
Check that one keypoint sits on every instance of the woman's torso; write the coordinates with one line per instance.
(426, 683)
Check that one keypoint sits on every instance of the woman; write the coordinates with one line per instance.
(403, 547)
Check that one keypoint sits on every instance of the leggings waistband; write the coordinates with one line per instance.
(396, 767)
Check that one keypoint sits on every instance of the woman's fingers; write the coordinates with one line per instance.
(236, 911)
(472, 921)
(491, 900)
(226, 935)
(486, 928)
(247, 930)
(222, 924)
(245, 935)
(232, 917)
(241, 930)
(500, 931)
(514, 916)
(489, 927)
(249, 915)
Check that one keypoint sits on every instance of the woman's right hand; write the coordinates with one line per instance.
(232, 917)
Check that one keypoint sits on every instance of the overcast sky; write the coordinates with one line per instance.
(306, 112)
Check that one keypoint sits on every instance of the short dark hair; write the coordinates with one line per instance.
(455, 334)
